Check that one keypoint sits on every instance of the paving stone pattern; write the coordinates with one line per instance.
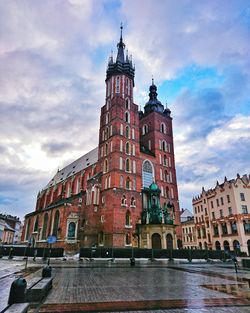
(76, 285)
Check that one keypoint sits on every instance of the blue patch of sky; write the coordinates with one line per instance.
(7, 200)
(193, 78)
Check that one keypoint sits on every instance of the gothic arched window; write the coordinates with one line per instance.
(132, 202)
(164, 145)
(127, 117)
(127, 150)
(144, 129)
(36, 224)
(128, 219)
(127, 104)
(124, 200)
(163, 128)
(127, 166)
(128, 183)
(45, 226)
(127, 132)
(147, 173)
(56, 223)
(105, 166)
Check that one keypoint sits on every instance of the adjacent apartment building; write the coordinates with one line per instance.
(221, 215)
(189, 240)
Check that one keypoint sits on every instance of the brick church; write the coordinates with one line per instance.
(98, 200)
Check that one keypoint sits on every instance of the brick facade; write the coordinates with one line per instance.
(98, 197)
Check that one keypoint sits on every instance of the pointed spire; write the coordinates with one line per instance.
(120, 46)
(153, 82)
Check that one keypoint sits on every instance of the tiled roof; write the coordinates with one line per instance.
(80, 164)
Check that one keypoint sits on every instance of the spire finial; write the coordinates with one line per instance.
(153, 81)
(121, 27)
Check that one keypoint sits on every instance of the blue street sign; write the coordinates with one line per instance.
(51, 239)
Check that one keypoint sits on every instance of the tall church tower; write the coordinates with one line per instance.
(156, 138)
(119, 153)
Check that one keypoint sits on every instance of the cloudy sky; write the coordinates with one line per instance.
(53, 57)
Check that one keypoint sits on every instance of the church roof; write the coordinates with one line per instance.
(78, 165)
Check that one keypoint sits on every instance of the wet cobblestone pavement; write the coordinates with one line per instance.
(159, 286)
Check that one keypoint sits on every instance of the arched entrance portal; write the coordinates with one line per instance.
(169, 239)
(156, 241)
(226, 245)
(217, 245)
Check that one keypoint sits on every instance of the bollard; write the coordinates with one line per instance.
(46, 271)
(132, 261)
(17, 291)
(11, 254)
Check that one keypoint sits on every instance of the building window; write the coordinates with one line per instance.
(147, 173)
(163, 128)
(166, 177)
(128, 183)
(45, 226)
(127, 132)
(217, 202)
(56, 223)
(71, 231)
(128, 240)
(212, 204)
(216, 230)
(230, 211)
(36, 224)
(105, 166)
(167, 193)
(233, 227)
(164, 146)
(121, 129)
(124, 200)
(117, 89)
(127, 165)
(165, 160)
(228, 199)
(224, 229)
(242, 197)
(127, 117)
(221, 213)
(127, 148)
(127, 104)
(144, 129)
(221, 201)
(246, 225)
(128, 219)
(244, 209)
(132, 202)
